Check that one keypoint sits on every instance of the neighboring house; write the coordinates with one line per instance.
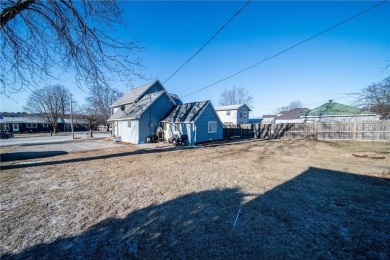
(36, 124)
(198, 120)
(336, 112)
(292, 116)
(234, 114)
(268, 119)
(137, 114)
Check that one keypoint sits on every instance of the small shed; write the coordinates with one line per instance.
(197, 120)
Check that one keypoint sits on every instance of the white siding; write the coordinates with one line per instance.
(224, 118)
(126, 134)
(234, 116)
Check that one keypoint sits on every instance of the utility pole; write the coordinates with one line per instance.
(71, 115)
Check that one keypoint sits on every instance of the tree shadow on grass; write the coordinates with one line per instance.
(318, 214)
(13, 156)
(80, 159)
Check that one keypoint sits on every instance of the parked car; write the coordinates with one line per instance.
(6, 135)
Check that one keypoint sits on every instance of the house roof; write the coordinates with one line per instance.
(231, 107)
(135, 110)
(269, 116)
(294, 113)
(35, 120)
(24, 119)
(133, 94)
(187, 112)
(334, 108)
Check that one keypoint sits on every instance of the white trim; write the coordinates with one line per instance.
(213, 130)
(31, 125)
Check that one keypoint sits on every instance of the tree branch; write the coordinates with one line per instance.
(10, 12)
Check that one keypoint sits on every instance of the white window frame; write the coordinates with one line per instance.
(212, 127)
(45, 125)
(129, 124)
(245, 113)
(31, 125)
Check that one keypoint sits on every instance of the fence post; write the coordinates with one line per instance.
(315, 131)
(354, 131)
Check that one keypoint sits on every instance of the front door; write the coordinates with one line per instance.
(15, 127)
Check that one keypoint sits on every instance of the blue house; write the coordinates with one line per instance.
(137, 114)
(198, 120)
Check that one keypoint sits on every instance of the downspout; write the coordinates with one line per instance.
(150, 114)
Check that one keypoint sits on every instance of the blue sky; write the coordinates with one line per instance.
(343, 60)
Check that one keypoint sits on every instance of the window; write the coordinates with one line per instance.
(240, 114)
(228, 113)
(45, 125)
(245, 113)
(212, 127)
(176, 127)
(31, 125)
(129, 124)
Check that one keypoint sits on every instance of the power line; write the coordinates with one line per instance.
(204, 45)
(291, 47)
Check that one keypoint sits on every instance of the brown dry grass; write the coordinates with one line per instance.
(298, 199)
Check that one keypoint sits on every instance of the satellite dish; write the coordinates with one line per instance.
(123, 107)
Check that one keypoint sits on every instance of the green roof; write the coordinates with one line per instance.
(333, 108)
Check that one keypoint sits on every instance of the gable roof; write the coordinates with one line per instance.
(231, 107)
(187, 112)
(134, 94)
(135, 110)
(294, 113)
(336, 109)
(269, 116)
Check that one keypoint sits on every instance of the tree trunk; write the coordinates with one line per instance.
(55, 128)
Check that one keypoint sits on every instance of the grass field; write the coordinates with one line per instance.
(255, 199)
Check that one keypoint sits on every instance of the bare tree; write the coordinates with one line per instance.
(91, 117)
(236, 96)
(100, 99)
(293, 104)
(50, 103)
(375, 98)
(39, 37)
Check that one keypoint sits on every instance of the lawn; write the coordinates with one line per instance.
(252, 199)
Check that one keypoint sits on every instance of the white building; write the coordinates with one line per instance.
(234, 114)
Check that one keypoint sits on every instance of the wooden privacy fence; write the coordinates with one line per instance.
(357, 131)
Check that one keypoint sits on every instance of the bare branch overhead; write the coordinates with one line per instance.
(41, 39)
